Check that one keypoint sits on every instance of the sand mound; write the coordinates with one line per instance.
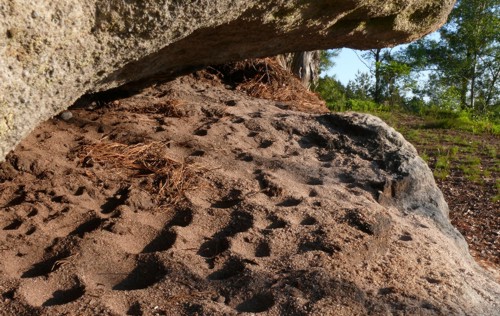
(195, 199)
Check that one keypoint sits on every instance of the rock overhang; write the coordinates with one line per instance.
(54, 52)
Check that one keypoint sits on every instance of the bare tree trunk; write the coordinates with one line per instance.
(378, 74)
(463, 93)
(491, 89)
(473, 84)
(305, 65)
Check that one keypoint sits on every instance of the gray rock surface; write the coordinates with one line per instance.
(52, 52)
(410, 186)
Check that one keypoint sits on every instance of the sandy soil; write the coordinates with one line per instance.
(192, 198)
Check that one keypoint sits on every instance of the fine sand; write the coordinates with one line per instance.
(193, 198)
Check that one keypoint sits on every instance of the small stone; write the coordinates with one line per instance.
(66, 115)
(34, 14)
(220, 299)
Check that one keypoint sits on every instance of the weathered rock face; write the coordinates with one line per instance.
(52, 52)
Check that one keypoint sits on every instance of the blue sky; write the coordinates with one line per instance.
(347, 63)
(346, 66)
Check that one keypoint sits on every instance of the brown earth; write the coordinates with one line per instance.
(474, 204)
(476, 215)
(192, 198)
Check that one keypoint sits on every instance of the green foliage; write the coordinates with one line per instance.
(453, 77)
(425, 156)
(365, 106)
(492, 151)
(333, 92)
(461, 120)
(444, 160)
(442, 167)
(440, 96)
(465, 58)
(453, 151)
(390, 74)
(361, 88)
(337, 97)
(471, 168)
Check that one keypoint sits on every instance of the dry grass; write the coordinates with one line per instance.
(169, 108)
(169, 178)
(266, 79)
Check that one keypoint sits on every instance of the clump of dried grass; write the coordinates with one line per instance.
(265, 78)
(169, 178)
(170, 108)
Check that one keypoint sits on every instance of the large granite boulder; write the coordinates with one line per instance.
(52, 52)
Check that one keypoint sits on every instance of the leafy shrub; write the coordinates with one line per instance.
(366, 106)
(461, 120)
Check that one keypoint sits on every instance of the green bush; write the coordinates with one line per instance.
(461, 120)
(438, 113)
(357, 105)
(365, 106)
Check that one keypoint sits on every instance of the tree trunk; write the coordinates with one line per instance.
(473, 84)
(463, 93)
(304, 65)
(491, 88)
(378, 74)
